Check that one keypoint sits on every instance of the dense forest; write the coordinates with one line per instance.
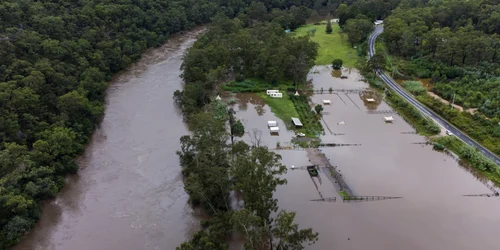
(454, 42)
(253, 45)
(55, 60)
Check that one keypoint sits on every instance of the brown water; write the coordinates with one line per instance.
(433, 213)
(129, 192)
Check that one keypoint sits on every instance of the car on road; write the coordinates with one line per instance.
(449, 132)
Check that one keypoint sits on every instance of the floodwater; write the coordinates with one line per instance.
(432, 213)
(129, 193)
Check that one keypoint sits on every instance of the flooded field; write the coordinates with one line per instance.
(432, 213)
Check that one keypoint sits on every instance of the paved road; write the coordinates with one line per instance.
(422, 108)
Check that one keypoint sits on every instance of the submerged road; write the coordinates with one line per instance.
(422, 108)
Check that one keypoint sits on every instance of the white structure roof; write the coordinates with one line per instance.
(272, 123)
(296, 122)
(218, 98)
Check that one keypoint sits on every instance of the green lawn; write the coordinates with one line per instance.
(330, 45)
(282, 107)
(285, 109)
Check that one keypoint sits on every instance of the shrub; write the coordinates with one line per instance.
(337, 63)
(415, 87)
(318, 108)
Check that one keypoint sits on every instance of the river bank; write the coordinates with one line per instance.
(129, 192)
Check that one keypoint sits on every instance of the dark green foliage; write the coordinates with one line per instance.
(318, 108)
(329, 27)
(260, 50)
(358, 29)
(249, 86)
(438, 146)
(55, 60)
(337, 63)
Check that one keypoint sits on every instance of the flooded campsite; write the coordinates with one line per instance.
(415, 195)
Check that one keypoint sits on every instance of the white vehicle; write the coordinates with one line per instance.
(449, 133)
(301, 134)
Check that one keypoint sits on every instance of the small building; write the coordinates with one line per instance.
(272, 123)
(276, 95)
(218, 98)
(378, 22)
(327, 102)
(388, 119)
(270, 91)
(296, 122)
(274, 129)
(370, 100)
(296, 93)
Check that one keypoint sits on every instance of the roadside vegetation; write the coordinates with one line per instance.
(432, 40)
(462, 70)
(470, 157)
(421, 124)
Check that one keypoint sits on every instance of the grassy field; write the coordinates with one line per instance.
(331, 45)
(283, 108)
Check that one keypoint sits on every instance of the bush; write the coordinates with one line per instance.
(337, 63)
(438, 146)
(415, 87)
(318, 108)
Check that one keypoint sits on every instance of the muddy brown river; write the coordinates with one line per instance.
(128, 194)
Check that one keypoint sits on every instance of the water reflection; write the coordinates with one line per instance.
(371, 99)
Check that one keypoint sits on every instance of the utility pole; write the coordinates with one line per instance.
(453, 101)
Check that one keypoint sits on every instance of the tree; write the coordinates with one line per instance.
(288, 235)
(377, 61)
(357, 30)
(262, 165)
(329, 29)
(337, 63)
(318, 108)
(282, 234)
(235, 126)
